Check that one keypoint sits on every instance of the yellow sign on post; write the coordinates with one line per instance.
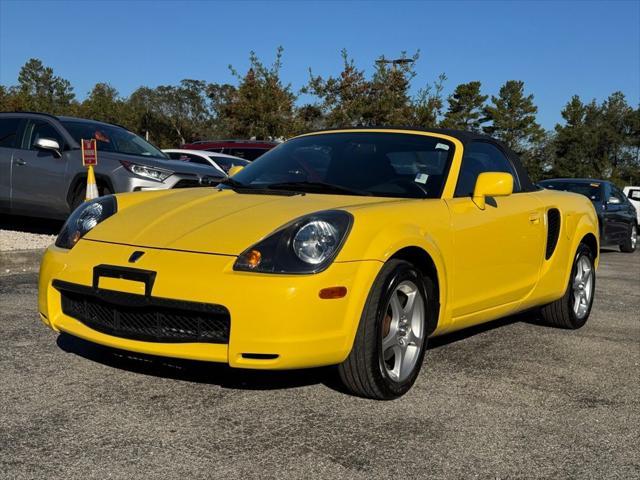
(89, 159)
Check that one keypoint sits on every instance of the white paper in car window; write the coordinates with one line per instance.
(421, 178)
(442, 146)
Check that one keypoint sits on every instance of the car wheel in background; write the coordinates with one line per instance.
(391, 340)
(81, 193)
(629, 245)
(573, 309)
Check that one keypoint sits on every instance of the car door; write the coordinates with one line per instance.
(9, 127)
(39, 185)
(615, 223)
(498, 250)
(626, 213)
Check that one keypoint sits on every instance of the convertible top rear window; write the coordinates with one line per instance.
(370, 163)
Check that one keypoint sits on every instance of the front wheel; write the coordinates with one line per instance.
(629, 245)
(573, 309)
(81, 192)
(391, 339)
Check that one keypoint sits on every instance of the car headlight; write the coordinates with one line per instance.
(154, 173)
(84, 218)
(306, 245)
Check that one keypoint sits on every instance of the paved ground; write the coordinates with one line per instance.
(514, 400)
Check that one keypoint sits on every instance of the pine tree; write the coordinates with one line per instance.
(261, 106)
(40, 90)
(513, 117)
(343, 99)
(466, 108)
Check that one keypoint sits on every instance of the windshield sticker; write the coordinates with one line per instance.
(442, 146)
(421, 178)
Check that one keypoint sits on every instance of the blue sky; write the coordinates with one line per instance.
(558, 48)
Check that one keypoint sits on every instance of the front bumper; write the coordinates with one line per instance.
(277, 321)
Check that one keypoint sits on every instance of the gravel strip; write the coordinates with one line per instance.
(14, 240)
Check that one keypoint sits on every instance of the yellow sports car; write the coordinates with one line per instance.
(343, 247)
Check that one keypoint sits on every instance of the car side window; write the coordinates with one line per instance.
(197, 159)
(8, 132)
(480, 157)
(37, 129)
(616, 193)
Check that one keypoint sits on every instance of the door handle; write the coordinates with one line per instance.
(534, 217)
(20, 162)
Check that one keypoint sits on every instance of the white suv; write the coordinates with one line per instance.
(633, 193)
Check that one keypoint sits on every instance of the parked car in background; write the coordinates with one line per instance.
(346, 247)
(247, 149)
(617, 217)
(633, 194)
(220, 161)
(41, 172)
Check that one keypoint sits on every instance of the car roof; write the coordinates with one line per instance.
(574, 180)
(463, 135)
(206, 153)
(234, 141)
(63, 118)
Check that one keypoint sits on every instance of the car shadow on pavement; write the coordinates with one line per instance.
(244, 379)
(30, 224)
(193, 370)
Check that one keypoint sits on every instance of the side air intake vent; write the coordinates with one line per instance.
(553, 231)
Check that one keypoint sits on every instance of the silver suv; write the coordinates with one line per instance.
(41, 172)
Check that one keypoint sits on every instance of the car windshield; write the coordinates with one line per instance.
(112, 139)
(590, 190)
(376, 164)
(226, 163)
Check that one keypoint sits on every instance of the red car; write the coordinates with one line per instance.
(247, 149)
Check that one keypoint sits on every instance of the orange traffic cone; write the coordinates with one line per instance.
(92, 188)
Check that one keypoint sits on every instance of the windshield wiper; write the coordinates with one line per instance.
(230, 182)
(316, 187)
(239, 187)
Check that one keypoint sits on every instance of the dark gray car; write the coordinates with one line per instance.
(41, 172)
(616, 214)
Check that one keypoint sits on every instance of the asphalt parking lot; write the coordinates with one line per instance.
(514, 399)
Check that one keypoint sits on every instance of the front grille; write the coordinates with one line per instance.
(149, 319)
(553, 231)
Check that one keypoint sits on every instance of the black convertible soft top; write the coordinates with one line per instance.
(465, 137)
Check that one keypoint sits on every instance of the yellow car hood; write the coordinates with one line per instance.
(209, 220)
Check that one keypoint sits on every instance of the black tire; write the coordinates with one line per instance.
(629, 245)
(81, 192)
(362, 373)
(561, 313)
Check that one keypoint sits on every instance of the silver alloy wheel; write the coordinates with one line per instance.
(403, 331)
(634, 236)
(582, 287)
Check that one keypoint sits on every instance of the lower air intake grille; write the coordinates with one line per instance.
(149, 319)
(553, 231)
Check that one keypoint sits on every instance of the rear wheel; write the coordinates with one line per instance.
(390, 344)
(629, 245)
(573, 309)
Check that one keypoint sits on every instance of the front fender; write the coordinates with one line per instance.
(378, 236)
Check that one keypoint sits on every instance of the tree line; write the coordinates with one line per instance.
(599, 140)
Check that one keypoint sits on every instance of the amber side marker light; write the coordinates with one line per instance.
(254, 258)
(333, 292)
